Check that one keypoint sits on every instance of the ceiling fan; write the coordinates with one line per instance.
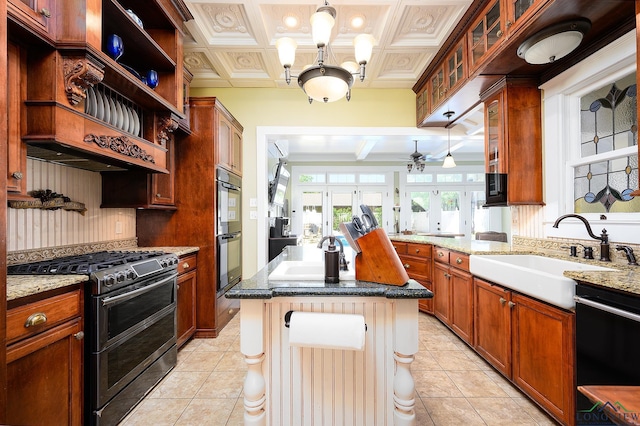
(417, 159)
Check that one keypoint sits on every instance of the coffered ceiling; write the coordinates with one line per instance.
(232, 45)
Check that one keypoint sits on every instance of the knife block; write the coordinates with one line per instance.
(378, 261)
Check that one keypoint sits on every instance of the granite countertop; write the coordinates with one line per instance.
(260, 287)
(27, 285)
(624, 278)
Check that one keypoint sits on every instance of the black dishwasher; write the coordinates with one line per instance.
(607, 345)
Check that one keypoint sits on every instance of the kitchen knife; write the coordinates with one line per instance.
(351, 235)
(360, 227)
(366, 210)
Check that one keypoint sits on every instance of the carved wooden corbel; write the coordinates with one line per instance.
(166, 125)
(79, 74)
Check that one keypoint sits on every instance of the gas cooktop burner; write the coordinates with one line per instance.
(81, 264)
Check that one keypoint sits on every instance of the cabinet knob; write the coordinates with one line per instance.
(79, 335)
(45, 12)
(406, 266)
(16, 175)
(508, 24)
(185, 265)
(440, 254)
(158, 195)
(511, 304)
(503, 301)
(458, 261)
(417, 250)
(447, 275)
(35, 319)
(499, 33)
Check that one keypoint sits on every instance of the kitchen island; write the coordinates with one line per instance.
(297, 385)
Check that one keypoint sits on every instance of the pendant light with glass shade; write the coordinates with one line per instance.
(448, 160)
(324, 82)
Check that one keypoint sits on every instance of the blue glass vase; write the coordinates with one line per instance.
(115, 46)
(152, 79)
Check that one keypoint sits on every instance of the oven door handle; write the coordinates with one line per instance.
(607, 308)
(130, 295)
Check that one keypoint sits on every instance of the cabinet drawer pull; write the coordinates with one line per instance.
(185, 265)
(79, 335)
(503, 301)
(446, 275)
(35, 319)
(458, 261)
(45, 12)
(440, 254)
(406, 266)
(16, 175)
(417, 250)
(511, 304)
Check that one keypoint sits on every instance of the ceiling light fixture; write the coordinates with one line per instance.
(417, 160)
(324, 82)
(448, 160)
(554, 42)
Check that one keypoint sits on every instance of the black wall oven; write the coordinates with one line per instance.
(607, 345)
(228, 230)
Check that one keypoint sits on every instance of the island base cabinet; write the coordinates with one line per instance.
(531, 343)
(543, 356)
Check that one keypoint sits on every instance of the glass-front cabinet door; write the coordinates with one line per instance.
(486, 33)
(456, 72)
(519, 12)
(493, 136)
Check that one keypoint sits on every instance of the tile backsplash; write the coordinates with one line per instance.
(34, 228)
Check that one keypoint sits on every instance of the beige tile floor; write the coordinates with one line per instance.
(454, 385)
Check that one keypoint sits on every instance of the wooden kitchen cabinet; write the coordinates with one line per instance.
(229, 142)
(453, 291)
(16, 149)
(186, 299)
(530, 342)
(513, 139)
(38, 15)
(416, 259)
(447, 77)
(492, 324)
(543, 355)
(486, 34)
(45, 361)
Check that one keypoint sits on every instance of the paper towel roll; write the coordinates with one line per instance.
(327, 330)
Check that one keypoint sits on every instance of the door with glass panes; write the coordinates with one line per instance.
(344, 204)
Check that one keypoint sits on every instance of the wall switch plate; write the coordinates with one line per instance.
(253, 214)
(118, 227)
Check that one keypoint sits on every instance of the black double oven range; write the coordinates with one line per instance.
(130, 325)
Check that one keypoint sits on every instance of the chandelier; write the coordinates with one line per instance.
(323, 82)
(416, 160)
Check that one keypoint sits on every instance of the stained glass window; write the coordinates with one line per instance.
(608, 122)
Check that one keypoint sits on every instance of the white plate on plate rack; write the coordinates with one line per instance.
(114, 112)
(100, 114)
(91, 105)
(131, 123)
(125, 117)
(136, 122)
(119, 116)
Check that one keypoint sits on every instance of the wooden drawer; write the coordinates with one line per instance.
(401, 248)
(420, 250)
(416, 266)
(441, 255)
(459, 260)
(187, 263)
(44, 313)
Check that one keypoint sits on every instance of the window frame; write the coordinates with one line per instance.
(561, 122)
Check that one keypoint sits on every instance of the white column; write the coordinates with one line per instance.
(252, 348)
(405, 346)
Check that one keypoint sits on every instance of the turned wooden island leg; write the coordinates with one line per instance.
(252, 348)
(405, 323)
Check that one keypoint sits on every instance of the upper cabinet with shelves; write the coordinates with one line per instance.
(70, 62)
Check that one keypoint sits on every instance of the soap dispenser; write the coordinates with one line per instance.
(331, 262)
